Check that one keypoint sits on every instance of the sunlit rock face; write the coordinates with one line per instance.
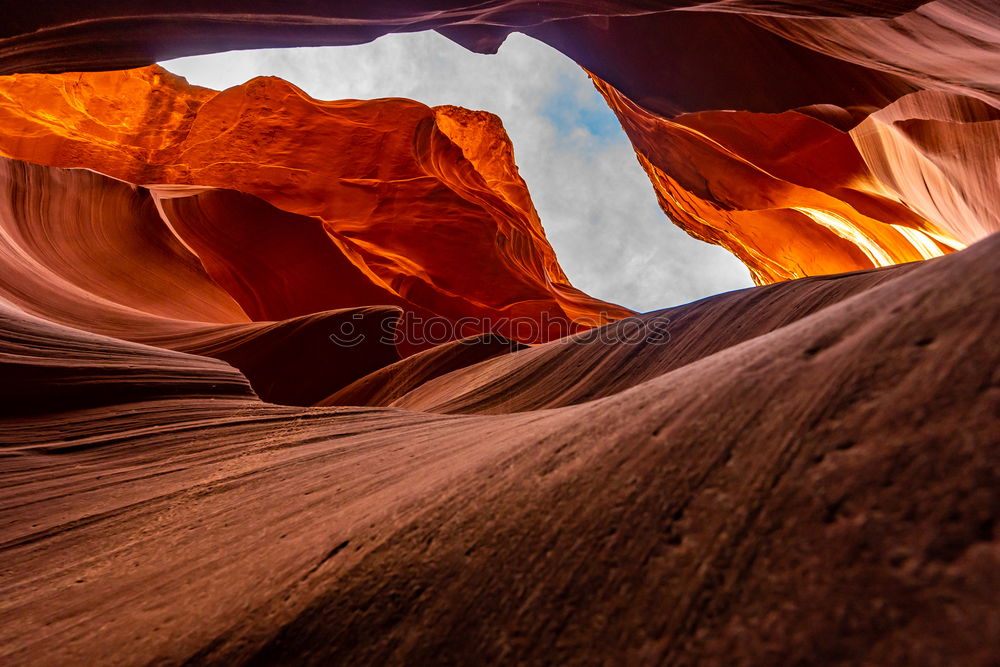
(751, 118)
(803, 164)
(798, 473)
(350, 203)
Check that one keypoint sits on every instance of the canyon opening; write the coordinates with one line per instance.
(500, 333)
(594, 201)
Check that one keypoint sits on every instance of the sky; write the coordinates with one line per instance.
(595, 202)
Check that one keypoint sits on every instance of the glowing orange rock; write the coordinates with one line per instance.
(790, 194)
(809, 141)
(920, 184)
(411, 206)
(806, 473)
(83, 250)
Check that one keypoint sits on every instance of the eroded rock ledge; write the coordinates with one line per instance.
(802, 472)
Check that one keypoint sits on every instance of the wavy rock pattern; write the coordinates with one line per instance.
(754, 130)
(626, 354)
(393, 200)
(802, 472)
(755, 504)
(805, 73)
(85, 251)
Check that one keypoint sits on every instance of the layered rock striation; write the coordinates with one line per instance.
(198, 465)
(806, 138)
(813, 492)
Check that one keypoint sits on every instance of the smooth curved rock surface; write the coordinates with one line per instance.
(49, 368)
(831, 204)
(85, 251)
(798, 473)
(117, 34)
(391, 382)
(628, 353)
(754, 505)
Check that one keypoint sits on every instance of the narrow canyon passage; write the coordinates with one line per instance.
(304, 377)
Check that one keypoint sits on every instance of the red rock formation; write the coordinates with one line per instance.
(750, 130)
(626, 354)
(895, 188)
(798, 473)
(381, 202)
(811, 493)
(118, 34)
(833, 63)
(88, 252)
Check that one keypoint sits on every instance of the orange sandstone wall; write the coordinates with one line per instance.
(349, 203)
(806, 472)
(763, 133)
(805, 137)
(790, 194)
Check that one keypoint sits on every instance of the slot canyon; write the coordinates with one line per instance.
(289, 380)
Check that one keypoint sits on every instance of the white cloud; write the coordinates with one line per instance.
(595, 202)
